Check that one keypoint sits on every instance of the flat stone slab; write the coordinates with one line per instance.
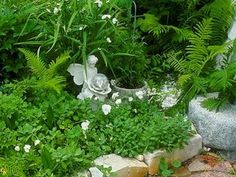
(191, 149)
(212, 174)
(217, 129)
(121, 167)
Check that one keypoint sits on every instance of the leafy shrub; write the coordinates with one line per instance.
(169, 26)
(66, 147)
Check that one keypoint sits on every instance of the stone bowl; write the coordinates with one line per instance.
(218, 129)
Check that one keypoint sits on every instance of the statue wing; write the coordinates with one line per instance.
(77, 71)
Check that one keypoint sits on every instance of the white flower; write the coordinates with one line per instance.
(82, 27)
(109, 40)
(114, 21)
(36, 142)
(169, 101)
(27, 148)
(106, 109)
(106, 16)
(85, 125)
(130, 99)
(135, 111)
(99, 3)
(140, 94)
(17, 148)
(118, 101)
(115, 95)
(56, 10)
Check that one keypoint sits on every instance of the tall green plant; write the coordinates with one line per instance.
(199, 61)
(46, 77)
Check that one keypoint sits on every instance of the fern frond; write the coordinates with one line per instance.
(35, 63)
(222, 14)
(203, 31)
(177, 64)
(151, 24)
(183, 79)
(55, 83)
(54, 65)
(213, 103)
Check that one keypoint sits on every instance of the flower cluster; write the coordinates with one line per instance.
(27, 147)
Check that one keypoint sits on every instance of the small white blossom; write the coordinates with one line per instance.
(169, 101)
(56, 10)
(106, 109)
(140, 94)
(85, 125)
(114, 21)
(115, 95)
(118, 101)
(82, 27)
(130, 99)
(99, 3)
(107, 16)
(27, 148)
(109, 40)
(206, 149)
(36, 142)
(135, 111)
(17, 148)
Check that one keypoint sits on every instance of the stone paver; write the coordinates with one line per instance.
(190, 150)
(122, 167)
(211, 174)
(197, 165)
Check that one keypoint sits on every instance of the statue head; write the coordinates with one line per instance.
(92, 60)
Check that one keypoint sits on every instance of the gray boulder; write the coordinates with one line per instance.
(218, 129)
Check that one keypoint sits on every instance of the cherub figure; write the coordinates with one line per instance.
(94, 83)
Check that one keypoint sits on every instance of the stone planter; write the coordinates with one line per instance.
(128, 92)
(217, 129)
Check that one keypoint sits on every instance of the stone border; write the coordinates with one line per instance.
(147, 163)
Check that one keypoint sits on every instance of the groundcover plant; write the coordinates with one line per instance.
(45, 131)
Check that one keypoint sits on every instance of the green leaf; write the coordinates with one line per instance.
(50, 117)
(176, 163)
(46, 158)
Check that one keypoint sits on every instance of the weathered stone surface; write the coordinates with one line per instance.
(217, 129)
(211, 174)
(182, 172)
(191, 149)
(95, 172)
(197, 166)
(84, 174)
(122, 167)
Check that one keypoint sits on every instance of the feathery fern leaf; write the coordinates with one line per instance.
(35, 63)
(47, 78)
(53, 66)
(213, 103)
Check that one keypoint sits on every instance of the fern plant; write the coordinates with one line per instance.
(46, 77)
(222, 81)
(199, 61)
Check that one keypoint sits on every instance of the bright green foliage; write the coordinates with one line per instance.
(167, 169)
(222, 81)
(66, 149)
(46, 77)
(199, 61)
(222, 14)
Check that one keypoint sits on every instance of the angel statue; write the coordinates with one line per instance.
(94, 83)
